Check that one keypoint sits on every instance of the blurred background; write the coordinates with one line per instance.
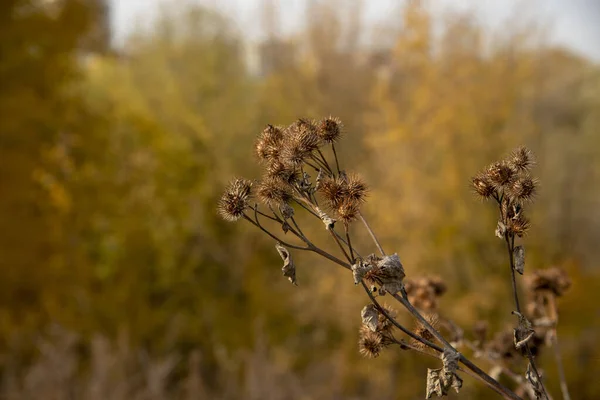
(122, 121)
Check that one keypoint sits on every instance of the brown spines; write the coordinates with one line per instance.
(521, 159)
(235, 199)
(370, 343)
(301, 140)
(500, 174)
(522, 189)
(344, 195)
(329, 129)
(269, 143)
(482, 186)
(422, 331)
(273, 191)
(334, 191)
(518, 225)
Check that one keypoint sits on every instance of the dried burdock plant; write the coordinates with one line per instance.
(302, 174)
(509, 183)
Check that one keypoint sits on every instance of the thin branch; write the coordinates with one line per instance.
(349, 244)
(510, 244)
(337, 163)
(334, 236)
(397, 325)
(284, 243)
(366, 224)
(557, 355)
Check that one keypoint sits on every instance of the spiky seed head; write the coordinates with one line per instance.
(273, 191)
(268, 144)
(500, 174)
(370, 343)
(384, 325)
(483, 186)
(521, 159)
(421, 331)
(330, 129)
(301, 141)
(356, 188)
(522, 189)
(518, 225)
(235, 199)
(348, 211)
(334, 190)
(552, 279)
(284, 172)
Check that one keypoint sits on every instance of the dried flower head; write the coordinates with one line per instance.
(235, 199)
(483, 186)
(302, 140)
(273, 191)
(521, 159)
(268, 144)
(421, 331)
(356, 188)
(370, 343)
(424, 292)
(518, 225)
(285, 173)
(334, 191)
(347, 211)
(330, 129)
(552, 279)
(500, 174)
(522, 189)
(387, 272)
(385, 326)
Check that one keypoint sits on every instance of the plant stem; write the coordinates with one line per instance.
(334, 236)
(349, 243)
(366, 224)
(337, 164)
(397, 325)
(559, 364)
(510, 244)
(491, 382)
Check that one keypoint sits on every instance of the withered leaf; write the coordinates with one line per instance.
(289, 269)
(534, 382)
(391, 273)
(359, 270)
(500, 230)
(519, 255)
(441, 380)
(370, 317)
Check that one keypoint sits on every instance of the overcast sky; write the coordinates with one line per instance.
(573, 23)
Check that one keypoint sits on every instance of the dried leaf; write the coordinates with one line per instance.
(359, 270)
(519, 254)
(534, 382)
(391, 273)
(286, 210)
(434, 383)
(439, 381)
(524, 331)
(500, 230)
(370, 317)
(289, 269)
